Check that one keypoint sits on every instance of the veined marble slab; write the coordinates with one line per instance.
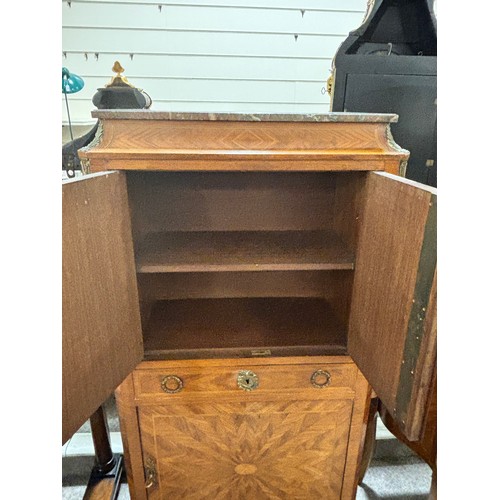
(141, 114)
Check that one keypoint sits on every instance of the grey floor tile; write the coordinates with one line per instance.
(396, 482)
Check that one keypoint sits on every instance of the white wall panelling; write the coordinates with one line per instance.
(200, 42)
(203, 66)
(239, 55)
(145, 17)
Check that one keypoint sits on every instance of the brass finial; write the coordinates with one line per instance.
(119, 80)
(117, 68)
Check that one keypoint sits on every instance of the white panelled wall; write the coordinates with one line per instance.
(208, 55)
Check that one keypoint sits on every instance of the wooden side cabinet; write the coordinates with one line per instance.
(274, 428)
(282, 270)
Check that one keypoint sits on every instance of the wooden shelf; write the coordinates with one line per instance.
(208, 328)
(219, 251)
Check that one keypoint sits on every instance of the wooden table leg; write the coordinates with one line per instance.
(426, 447)
(105, 461)
(370, 439)
(369, 446)
(104, 482)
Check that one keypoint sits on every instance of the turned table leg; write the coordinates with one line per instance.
(426, 447)
(105, 461)
(104, 482)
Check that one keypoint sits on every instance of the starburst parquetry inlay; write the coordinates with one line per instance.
(248, 451)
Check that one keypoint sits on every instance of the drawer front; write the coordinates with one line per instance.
(245, 381)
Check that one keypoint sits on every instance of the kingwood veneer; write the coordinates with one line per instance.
(277, 277)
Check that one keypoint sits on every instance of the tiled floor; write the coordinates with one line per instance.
(404, 478)
(395, 473)
(408, 479)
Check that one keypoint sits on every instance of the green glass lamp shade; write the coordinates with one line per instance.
(71, 83)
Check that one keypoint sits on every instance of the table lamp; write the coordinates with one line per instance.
(71, 84)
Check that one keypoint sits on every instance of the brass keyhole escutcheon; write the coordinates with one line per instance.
(247, 380)
(172, 384)
(320, 379)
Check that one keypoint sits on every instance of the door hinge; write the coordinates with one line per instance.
(402, 167)
(150, 476)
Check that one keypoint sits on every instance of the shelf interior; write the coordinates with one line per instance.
(243, 327)
(219, 251)
(233, 264)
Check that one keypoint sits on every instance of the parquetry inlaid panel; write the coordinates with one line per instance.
(244, 136)
(247, 451)
(158, 142)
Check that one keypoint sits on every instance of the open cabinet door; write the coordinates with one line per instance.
(101, 338)
(392, 327)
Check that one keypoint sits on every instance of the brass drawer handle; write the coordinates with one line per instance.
(320, 379)
(247, 380)
(172, 384)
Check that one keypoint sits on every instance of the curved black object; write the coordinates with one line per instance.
(70, 160)
(112, 97)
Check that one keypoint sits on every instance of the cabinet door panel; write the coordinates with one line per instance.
(275, 450)
(392, 328)
(102, 339)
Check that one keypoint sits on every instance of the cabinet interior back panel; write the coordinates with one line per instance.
(219, 251)
(334, 286)
(211, 327)
(234, 201)
(195, 285)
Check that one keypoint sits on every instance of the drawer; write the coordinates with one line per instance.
(245, 381)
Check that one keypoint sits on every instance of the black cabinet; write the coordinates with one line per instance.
(389, 65)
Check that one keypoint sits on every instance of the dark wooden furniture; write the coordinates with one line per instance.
(389, 64)
(117, 94)
(277, 274)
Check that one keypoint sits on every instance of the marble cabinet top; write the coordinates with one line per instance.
(141, 114)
